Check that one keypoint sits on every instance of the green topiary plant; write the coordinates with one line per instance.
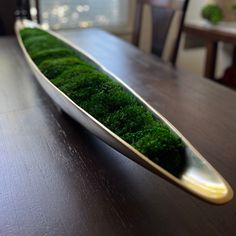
(234, 8)
(213, 13)
(105, 99)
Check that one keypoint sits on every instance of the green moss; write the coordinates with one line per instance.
(32, 32)
(72, 73)
(52, 68)
(55, 53)
(162, 146)
(106, 100)
(112, 97)
(82, 87)
(41, 43)
(129, 119)
(94, 92)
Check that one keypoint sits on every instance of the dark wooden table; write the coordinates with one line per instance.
(58, 179)
(212, 35)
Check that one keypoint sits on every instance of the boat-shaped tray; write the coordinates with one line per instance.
(198, 178)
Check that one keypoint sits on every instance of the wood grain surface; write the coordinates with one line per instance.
(56, 178)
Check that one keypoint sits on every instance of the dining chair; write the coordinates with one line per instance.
(164, 13)
(23, 8)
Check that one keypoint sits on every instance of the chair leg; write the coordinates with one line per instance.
(211, 60)
(137, 23)
(234, 56)
(38, 11)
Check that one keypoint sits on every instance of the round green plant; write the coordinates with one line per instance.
(233, 8)
(213, 13)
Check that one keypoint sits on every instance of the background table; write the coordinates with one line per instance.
(58, 179)
(212, 35)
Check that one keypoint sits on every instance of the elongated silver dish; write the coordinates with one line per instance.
(198, 178)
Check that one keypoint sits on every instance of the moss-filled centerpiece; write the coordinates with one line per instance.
(105, 99)
(114, 112)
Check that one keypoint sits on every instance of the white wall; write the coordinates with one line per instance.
(194, 9)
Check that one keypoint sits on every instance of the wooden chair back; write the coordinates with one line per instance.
(163, 12)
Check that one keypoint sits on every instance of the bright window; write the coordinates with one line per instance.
(64, 14)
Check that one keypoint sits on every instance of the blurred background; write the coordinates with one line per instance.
(117, 16)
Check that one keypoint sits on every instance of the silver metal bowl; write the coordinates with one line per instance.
(198, 178)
